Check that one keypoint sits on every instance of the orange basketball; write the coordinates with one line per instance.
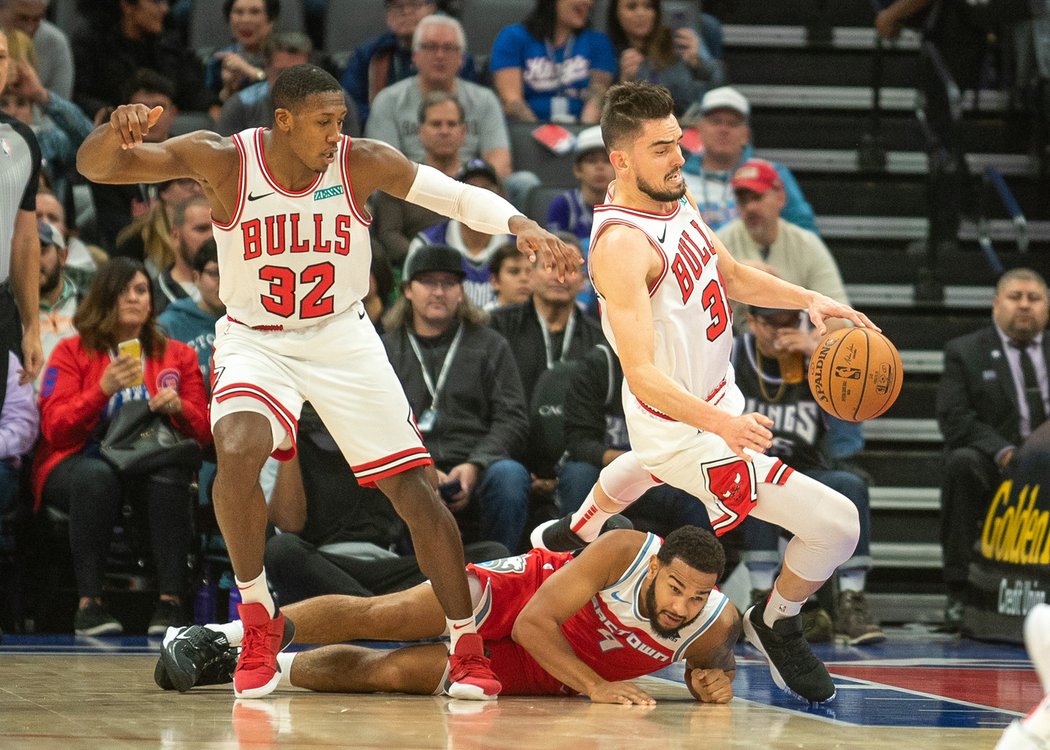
(855, 374)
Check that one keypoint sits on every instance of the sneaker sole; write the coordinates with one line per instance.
(754, 640)
(261, 691)
(160, 676)
(868, 639)
(464, 692)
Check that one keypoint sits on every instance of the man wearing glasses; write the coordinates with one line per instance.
(438, 51)
(388, 58)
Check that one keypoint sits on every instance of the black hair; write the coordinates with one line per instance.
(501, 254)
(151, 82)
(695, 547)
(207, 253)
(543, 18)
(628, 106)
(272, 7)
(299, 82)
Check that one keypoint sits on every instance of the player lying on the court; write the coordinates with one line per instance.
(628, 605)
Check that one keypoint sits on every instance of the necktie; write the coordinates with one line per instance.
(1034, 397)
(764, 252)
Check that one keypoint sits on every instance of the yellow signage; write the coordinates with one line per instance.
(1015, 530)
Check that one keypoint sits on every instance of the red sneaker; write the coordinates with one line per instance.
(470, 675)
(257, 673)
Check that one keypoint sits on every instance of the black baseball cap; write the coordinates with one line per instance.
(772, 312)
(478, 168)
(434, 258)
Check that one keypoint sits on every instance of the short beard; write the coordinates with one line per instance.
(654, 623)
(51, 282)
(661, 196)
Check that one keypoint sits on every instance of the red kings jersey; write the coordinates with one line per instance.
(614, 640)
(692, 323)
(292, 259)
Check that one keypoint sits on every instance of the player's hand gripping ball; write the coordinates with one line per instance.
(855, 374)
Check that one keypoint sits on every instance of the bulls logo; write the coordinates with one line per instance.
(732, 482)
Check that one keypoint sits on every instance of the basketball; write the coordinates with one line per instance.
(855, 374)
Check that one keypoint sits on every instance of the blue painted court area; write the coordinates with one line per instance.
(914, 679)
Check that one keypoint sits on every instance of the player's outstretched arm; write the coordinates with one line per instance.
(538, 627)
(115, 153)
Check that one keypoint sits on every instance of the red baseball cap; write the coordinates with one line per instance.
(756, 175)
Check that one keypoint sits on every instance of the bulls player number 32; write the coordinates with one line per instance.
(285, 289)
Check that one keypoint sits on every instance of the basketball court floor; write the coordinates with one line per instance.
(917, 691)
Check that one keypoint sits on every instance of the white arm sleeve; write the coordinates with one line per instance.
(478, 208)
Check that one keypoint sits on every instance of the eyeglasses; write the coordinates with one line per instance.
(450, 49)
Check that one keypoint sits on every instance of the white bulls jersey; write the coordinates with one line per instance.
(291, 259)
(611, 636)
(692, 324)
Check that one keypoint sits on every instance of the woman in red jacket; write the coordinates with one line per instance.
(85, 383)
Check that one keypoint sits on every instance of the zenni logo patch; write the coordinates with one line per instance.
(330, 192)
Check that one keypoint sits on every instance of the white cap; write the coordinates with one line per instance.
(724, 97)
(589, 139)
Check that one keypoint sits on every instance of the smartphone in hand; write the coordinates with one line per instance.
(132, 348)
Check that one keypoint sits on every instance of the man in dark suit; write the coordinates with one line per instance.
(992, 395)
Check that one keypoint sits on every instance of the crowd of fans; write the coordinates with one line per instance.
(512, 384)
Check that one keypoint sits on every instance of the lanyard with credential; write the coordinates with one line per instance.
(559, 69)
(429, 416)
(565, 343)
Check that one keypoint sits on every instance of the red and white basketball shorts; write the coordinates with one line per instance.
(339, 366)
(507, 585)
(701, 463)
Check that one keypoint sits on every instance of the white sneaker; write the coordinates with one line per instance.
(1037, 641)
(1016, 737)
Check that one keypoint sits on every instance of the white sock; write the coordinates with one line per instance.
(852, 580)
(588, 519)
(779, 608)
(284, 666)
(457, 628)
(761, 574)
(234, 631)
(256, 590)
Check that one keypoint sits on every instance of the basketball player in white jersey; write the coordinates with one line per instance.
(1033, 731)
(664, 280)
(288, 208)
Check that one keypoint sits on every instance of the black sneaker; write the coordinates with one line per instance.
(167, 614)
(95, 620)
(194, 656)
(557, 536)
(791, 662)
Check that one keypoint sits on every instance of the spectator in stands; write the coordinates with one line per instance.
(677, 58)
(191, 227)
(117, 205)
(724, 131)
(53, 52)
(242, 63)
(124, 36)
(86, 382)
(59, 125)
(19, 237)
(992, 396)
(82, 259)
(19, 427)
(460, 379)
(770, 363)
(596, 433)
(547, 333)
(760, 234)
(148, 238)
(337, 537)
(510, 274)
(387, 58)
(442, 132)
(59, 294)
(552, 67)
(251, 107)
(438, 49)
(573, 210)
(475, 247)
(193, 322)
